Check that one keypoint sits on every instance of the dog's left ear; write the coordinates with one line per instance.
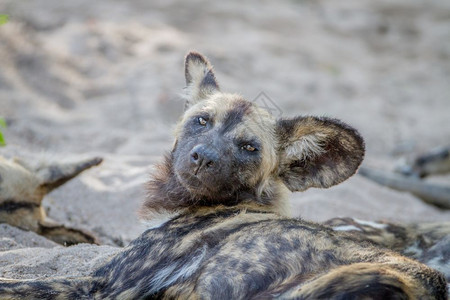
(200, 79)
(317, 152)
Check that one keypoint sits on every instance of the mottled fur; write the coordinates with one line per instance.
(436, 161)
(22, 189)
(429, 243)
(221, 192)
(242, 252)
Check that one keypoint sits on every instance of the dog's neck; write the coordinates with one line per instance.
(167, 196)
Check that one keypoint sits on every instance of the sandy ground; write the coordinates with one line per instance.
(103, 78)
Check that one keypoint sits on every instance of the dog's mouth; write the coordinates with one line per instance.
(204, 188)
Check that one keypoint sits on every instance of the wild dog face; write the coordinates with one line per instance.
(229, 150)
(221, 148)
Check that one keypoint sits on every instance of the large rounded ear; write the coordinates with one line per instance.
(200, 79)
(317, 152)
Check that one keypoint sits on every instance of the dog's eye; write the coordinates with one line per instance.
(202, 121)
(249, 148)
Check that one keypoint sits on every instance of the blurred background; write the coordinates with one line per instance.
(87, 78)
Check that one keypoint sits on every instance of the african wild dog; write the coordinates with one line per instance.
(22, 189)
(224, 233)
(429, 243)
(436, 161)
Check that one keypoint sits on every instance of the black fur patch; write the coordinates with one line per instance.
(10, 205)
(209, 80)
(235, 115)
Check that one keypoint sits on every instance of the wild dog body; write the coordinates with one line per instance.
(436, 161)
(222, 191)
(429, 243)
(242, 252)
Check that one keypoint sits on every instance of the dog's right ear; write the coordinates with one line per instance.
(317, 152)
(200, 79)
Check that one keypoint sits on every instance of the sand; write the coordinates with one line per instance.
(104, 78)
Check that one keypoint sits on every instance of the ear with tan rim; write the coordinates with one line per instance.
(317, 152)
(200, 79)
(55, 175)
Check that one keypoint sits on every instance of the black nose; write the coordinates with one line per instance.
(203, 156)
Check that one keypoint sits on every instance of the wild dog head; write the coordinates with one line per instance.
(229, 150)
(22, 189)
